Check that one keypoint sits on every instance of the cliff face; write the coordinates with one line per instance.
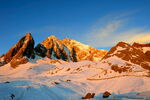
(20, 52)
(68, 50)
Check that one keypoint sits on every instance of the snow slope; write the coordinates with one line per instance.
(59, 80)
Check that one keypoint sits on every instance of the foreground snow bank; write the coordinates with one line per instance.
(28, 90)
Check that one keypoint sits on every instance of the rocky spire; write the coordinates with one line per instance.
(20, 52)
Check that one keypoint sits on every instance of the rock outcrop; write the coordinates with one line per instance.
(20, 52)
(88, 96)
(106, 94)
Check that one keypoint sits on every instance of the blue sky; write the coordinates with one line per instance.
(99, 23)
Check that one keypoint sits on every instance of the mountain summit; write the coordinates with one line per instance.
(68, 50)
(19, 53)
(52, 48)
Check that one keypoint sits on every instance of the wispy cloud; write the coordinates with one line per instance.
(110, 28)
(140, 38)
(114, 30)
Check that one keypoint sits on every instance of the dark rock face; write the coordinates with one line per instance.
(40, 50)
(52, 48)
(19, 53)
(88, 96)
(106, 94)
(74, 55)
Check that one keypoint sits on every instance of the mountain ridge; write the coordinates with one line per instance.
(72, 50)
(52, 48)
(120, 71)
(68, 49)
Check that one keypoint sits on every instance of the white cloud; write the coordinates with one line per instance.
(107, 30)
(113, 31)
(140, 38)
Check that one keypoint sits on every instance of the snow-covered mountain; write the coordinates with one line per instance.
(20, 52)
(68, 70)
(68, 50)
(123, 56)
(82, 51)
(52, 48)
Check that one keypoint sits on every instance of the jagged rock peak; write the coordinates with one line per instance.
(20, 52)
(51, 41)
(52, 48)
(52, 37)
(28, 35)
